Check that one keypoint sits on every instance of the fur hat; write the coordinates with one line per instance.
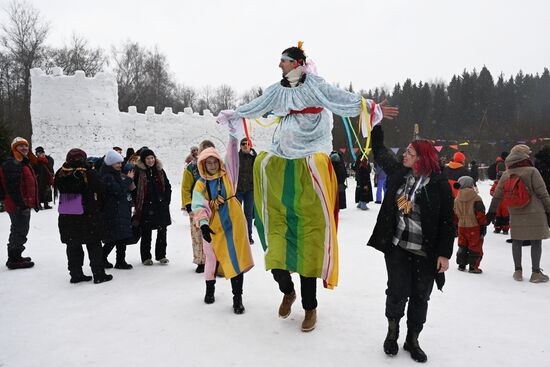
(459, 157)
(146, 153)
(521, 148)
(112, 157)
(464, 182)
(76, 154)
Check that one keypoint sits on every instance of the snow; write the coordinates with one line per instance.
(155, 315)
(76, 111)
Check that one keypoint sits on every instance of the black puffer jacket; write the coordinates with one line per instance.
(436, 205)
(88, 227)
(118, 204)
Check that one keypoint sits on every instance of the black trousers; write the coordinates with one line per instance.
(145, 244)
(120, 250)
(19, 230)
(410, 278)
(308, 287)
(75, 257)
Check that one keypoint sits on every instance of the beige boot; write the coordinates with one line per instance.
(538, 277)
(286, 304)
(309, 320)
(518, 275)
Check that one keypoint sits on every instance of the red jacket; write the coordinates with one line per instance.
(19, 185)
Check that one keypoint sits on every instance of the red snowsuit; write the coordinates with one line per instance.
(470, 216)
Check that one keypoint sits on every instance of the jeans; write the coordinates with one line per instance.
(248, 199)
(380, 189)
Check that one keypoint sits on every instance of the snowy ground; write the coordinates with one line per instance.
(155, 316)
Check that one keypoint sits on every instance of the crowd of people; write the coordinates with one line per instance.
(292, 193)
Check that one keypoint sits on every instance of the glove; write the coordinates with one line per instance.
(490, 217)
(188, 208)
(482, 231)
(206, 232)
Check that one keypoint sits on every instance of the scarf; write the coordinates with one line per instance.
(294, 76)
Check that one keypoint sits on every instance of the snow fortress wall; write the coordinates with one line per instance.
(79, 112)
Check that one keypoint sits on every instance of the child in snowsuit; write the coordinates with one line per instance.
(472, 225)
(502, 219)
(220, 217)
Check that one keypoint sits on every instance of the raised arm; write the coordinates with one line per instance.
(382, 155)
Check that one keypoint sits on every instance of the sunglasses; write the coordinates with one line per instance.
(245, 144)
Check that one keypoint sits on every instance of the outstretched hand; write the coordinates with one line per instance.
(387, 111)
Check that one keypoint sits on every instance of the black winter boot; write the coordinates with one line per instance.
(80, 278)
(210, 288)
(200, 268)
(238, 307)
(123, 265)
(102, 277)
(237, 288)
(390, 344)
(15, 261)
(411, 345)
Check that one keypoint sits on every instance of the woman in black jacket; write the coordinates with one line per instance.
(153, 195)
(414, 230)
(117, 211)
(80, 222)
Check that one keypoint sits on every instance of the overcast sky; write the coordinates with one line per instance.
(239, 42)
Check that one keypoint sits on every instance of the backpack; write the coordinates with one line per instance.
(515, 193)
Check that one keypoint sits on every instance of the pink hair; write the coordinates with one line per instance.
(428, 161)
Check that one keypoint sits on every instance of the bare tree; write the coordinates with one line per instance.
(160, 86)
(206, 99)
(251, 94)
(129, 65)
(224, 98)
(185, 96)
(78, 55)
(23, 37)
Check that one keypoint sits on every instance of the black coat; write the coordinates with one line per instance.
(362, 176)
(155, 209)
(88, 227)
(542, 163)
(118, 205)
(341, 176)
(44, 173)
(435, 200)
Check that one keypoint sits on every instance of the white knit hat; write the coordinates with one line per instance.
(112, 157)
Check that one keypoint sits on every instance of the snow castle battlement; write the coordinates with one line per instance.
(78, 111)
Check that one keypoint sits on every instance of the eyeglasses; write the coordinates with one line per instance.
(410, 153)
(245, 144)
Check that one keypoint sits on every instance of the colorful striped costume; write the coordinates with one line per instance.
(295, 186)
(214, 203)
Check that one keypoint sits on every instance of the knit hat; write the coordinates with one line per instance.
(76, 154)
(146, 153)
(464, 182)
(459, 157)
(112, 157)
(17, 142)
(39, 150)
(521, 148)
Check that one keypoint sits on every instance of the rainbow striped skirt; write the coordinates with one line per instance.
(295, 203)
